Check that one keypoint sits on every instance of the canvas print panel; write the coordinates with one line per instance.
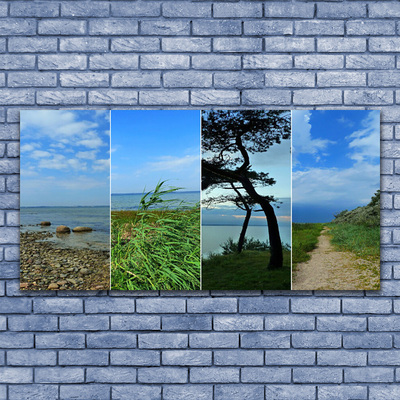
(246, 190)
(65, 200)
(155, 200)
(336, 200)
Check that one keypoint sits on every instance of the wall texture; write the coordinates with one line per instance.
(199, 345)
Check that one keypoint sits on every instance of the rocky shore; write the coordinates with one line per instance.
(47, 267)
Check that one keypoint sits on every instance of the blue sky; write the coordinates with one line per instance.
(65, 158)
(277, 162)
(336, 162)
(152, 145)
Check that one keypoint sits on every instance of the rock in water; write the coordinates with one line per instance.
(45, 223)
(82, 229)
(63, 229)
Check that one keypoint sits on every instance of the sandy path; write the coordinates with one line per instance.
(329, 269)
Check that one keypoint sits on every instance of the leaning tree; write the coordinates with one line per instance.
(228, 140)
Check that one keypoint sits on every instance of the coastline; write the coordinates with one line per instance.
(43, 266)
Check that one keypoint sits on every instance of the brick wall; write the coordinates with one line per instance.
(199, 345)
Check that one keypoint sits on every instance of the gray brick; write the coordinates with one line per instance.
(288, 44)
(3, 9)
(387, 44)
(84, 322)
(239, 80)
(369, 375)
(12, 217)
(262, 96)
(216, 62)
(164, 61)
(368, 97)
(367, 306)
(10, 270)
(316, 340)
(384, 78)
(238, 357)
(179, 392)
(98, 392)
(382, 10)
(241, 323)
(288, 10)
(19, 26)
(110, 375)
(235, 392)
(163, 375)
(163, 340)
(136, 392)
(32, 79)
(314, 375)
(264, 305)
(216, 97)
(32, 45)
(319, 61)
(289, 79)
(265, 340)
(139, 44)
(15, 306)
(289, 392)
(186, 79)
(31, 357)
(11, 131)
(214, 340)
(341, 45)
(83, 357)
(154, 97)
(62, 61)
(239, 10)
(165, 27)
(270, 375)
(135, 9)
(59, 375)
(365, 27)
(342, 358)
(386, 134)
(115, 27)
(32, 323)
(16, 340)
(135, 357)
(237, 45)
(268, 27)
(17, 61)
(386, 238)
(61, 27)
(61, 97)
(345, 392)
(85, 9)
(341, 323)
(109, 96)
(181, 9)
(217, 27)
(57, 306)
(325, 306)
(135, 322)
(109, 306)
(367, 341)
(8, 166)
(289, 323)
(11, 253)
(195, 45)
(83, 79)
(111, 340)
(186, 357)
(316, 27)
(370, 61)
(12, 151)
(32, 391)
(384, 357)
(187, 323)
(346, 10)
(387, 323)
(290, 357)
(342, 78)
(42, 9)
(212, 305)
(16, 375)
(87, 45)
(113, 61)
(317, 96)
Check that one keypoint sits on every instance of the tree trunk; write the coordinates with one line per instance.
(244, 229)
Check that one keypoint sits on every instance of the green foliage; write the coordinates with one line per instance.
(230, 246)
(361, 240)
(245, 271)
(156, 249)
(368, 215)
(304, 240)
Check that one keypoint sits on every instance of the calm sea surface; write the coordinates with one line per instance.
(97, 218)
(131, 201)
(213, 236)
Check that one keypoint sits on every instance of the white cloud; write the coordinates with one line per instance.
(172, 163)
(302, 140)
(87, 155)
(37, 154)
(29, 147)
(101, 165)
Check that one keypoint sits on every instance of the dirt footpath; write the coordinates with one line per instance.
(329, 269)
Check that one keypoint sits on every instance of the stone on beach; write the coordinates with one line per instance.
(82, 229)
(45, 223)
(52, 286)
(63, 229)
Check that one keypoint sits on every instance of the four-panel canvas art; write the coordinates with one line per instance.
(190, 200)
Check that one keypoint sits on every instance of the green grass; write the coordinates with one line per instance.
(362, 240)
(304, 240)
(155, 249)
(245, 271)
